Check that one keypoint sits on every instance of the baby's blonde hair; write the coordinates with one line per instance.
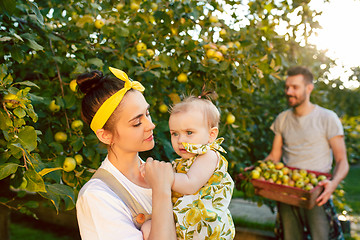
(210, 111)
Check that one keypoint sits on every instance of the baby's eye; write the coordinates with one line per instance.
(174, 134)
(189, 132)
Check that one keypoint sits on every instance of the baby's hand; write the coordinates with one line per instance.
(142, 169)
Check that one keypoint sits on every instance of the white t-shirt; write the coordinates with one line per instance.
(306, 138)
(102, 215)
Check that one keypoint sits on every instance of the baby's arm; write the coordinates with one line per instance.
(197, 176)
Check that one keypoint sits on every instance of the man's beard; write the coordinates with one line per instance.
(298, 101)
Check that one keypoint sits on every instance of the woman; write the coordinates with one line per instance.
(119, 115)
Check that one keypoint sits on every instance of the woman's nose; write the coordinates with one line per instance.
(150, 125)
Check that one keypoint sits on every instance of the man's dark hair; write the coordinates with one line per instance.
(300, 70)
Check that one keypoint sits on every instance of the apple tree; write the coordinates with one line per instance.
(172, 47)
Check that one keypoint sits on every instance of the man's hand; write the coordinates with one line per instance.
(329, 188)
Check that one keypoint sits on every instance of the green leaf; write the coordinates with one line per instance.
(27, 138)
(224, 65)
(16, 150)
(70, 101)
(96, 61)
(32, 204)
(48, 170)
(5, 121)
(77, 144)
(56, 192)
(28, 83)
(7, 169)
(57, 146)
(124, 32)
(34, 45)
(17, 54)
(31, 112)
(35, 183)
(8, 6)
(4, 39)
(19, 112)
(35, 9)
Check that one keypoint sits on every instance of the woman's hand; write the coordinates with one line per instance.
(160, 177)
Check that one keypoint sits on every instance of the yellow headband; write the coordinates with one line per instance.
(109, 106)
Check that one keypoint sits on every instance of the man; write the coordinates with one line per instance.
(308, 136)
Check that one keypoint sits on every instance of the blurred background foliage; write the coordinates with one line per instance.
(173, 48)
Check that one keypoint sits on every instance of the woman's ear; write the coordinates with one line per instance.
(214, 131)
(104, 136)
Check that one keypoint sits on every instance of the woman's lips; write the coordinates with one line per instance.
(150, 138)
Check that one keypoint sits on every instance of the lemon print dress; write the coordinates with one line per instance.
(205, 214)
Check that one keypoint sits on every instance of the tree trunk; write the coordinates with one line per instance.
(4, 223)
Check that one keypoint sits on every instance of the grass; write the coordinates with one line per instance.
(352, 189)
(21, 231)
(241, 222)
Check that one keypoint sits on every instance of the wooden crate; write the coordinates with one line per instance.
(286, 194)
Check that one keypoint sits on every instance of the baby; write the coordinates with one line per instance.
(202, 188)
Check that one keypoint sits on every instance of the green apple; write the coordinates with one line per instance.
(279, 165)
(119, 6)
(321, 178)
(77, 125)
(53, 106)
(134, 6)
(306, 180)
(210, 53)
(274, 176)
(296, 176)
(303, 172)
(230, 118)
(299, 183)
(99, 23)
(182, 77)
(291, 183)
(60, 137)
(73, 85)
(285, 179)
(266, 175)
(213, 19)
(308, 187)
(255, 174)
(163, 108)
(285, 170)
(69, 164)
(79, 159)
(311, 175)
(218, 56)
(314, 181)
(141, 46)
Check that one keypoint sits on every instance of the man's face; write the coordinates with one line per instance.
(296, 91)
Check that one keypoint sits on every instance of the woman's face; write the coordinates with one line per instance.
(133, 130)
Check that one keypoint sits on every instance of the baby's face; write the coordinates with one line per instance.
(188, 127)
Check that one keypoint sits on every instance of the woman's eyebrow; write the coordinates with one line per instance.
(140, 115)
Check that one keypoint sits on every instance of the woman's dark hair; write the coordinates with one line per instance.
(97, 88)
